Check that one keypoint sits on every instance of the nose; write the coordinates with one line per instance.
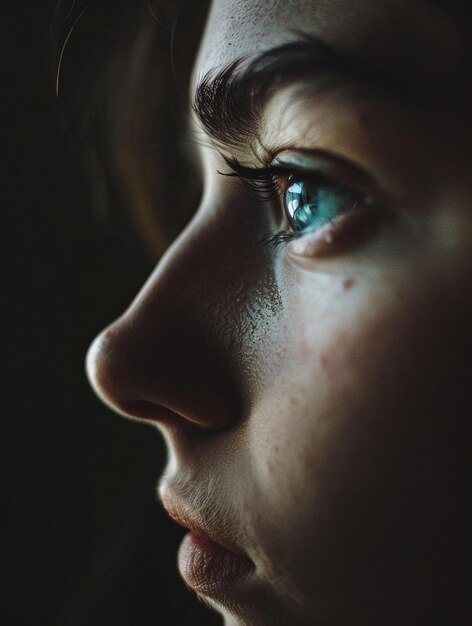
(170, 357)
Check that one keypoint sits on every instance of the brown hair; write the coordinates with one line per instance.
(121, 74)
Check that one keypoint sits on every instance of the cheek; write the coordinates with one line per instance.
(341, 425)
(305, 413)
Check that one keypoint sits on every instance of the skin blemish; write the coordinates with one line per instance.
(324, 361)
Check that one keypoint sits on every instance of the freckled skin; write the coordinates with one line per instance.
(315, 401)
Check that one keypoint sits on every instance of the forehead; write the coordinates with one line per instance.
(413, 36)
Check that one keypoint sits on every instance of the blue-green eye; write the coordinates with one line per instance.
(312, 204)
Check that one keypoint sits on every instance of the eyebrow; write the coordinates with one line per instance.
(228, 102)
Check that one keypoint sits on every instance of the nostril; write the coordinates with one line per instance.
(150, 411)
(171, 420)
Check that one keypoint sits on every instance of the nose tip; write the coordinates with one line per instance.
(98, 375)
(138, 378)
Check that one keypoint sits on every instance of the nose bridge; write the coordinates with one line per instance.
(172, 349)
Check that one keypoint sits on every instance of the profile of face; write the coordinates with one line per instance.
(302, 345)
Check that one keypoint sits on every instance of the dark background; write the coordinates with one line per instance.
(84, 542)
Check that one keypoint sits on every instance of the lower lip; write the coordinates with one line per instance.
(210, 569)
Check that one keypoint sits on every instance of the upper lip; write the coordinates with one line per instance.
(181, 513)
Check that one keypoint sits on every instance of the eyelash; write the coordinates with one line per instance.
(268, 183)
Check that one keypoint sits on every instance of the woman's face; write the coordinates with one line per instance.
(312, 390)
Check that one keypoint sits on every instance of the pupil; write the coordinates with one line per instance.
(310, 205)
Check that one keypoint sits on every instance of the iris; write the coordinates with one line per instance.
(312, 204)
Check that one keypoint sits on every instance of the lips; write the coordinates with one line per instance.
(209, 568)
(207, 561)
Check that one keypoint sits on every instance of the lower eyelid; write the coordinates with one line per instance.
(316, 243)
(341, 234)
